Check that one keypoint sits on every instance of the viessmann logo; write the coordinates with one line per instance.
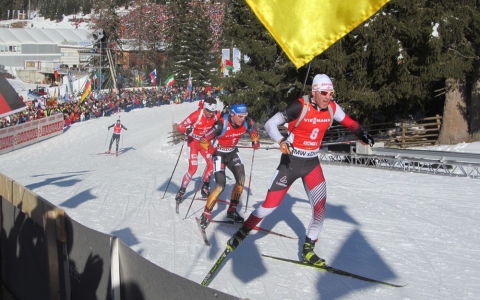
(315, 120)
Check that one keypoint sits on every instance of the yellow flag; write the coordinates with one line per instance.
(306, 28)
(86, 92)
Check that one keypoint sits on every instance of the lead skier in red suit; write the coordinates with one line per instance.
(300, 160)
(117, 129)
(227, 132)
(195, 126)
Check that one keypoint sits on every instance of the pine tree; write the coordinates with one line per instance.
(189, 43)
(267, 81)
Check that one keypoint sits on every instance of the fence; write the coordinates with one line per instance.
(404, 134)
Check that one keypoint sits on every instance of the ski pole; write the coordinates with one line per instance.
(179, 154)
(106, 138)
(196, 190)
(249, 180)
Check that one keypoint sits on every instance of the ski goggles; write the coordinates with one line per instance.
(210, 107)
(325, 93)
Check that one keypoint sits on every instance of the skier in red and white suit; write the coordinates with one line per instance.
(195, 126)
(300, 160)
(117, 129)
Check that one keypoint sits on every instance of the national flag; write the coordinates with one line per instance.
(55, 72)
(170, 81)
(300, 31)
(229, 64)
(189, 84)
(222, 67)
(153, 77)
(86, 91)
(65, 97)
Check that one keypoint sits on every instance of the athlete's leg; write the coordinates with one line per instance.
(220, 181)
(316, 188)
(192, 165)
(235, 164)
(282, 179)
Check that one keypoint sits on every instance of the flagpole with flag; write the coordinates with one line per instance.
(305, 35)
(189, 86)
(170, 81)
(86, 91)
(153, 77)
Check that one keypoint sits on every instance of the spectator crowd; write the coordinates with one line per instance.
(106, 104)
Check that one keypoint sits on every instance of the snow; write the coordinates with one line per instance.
(406, 228)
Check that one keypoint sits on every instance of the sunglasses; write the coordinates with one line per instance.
(325, 93)
(241, 116)
(209, 111)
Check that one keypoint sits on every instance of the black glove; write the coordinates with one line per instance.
(188, 131)
(367, 139)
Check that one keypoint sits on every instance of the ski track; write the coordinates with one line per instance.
(405, 228)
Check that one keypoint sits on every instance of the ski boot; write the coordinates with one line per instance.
(309, 256)
(205, 189)
(204, 221)
(234, 216)
(179, 196)
(107, 152)
(116, 153)
(237, 238)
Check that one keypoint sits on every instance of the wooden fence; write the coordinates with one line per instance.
(403, 134)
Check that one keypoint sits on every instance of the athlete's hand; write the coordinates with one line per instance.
(285, 146)
(204, 144)
(188, 131)
(207, 146)
(367, 139)
(256, 145)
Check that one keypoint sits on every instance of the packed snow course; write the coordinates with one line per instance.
(405, 228)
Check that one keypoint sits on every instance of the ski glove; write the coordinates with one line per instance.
(256, 145)
(207, 146)
(285, 146)
(188, 131)
(367, 139)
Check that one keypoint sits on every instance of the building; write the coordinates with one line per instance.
(42, 50)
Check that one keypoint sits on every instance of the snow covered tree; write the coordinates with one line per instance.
(189, 43)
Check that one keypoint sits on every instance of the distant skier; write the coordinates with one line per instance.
(117, 128)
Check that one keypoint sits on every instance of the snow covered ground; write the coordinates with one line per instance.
(407, 228)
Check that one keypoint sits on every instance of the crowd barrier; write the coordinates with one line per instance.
(31, 132)
(47, 255)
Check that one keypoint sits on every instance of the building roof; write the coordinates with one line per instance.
(61, 37)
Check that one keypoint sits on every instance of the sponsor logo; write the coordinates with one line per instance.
(225, 149)
(26, 136)
(282, 181)
(307, 143)
(6, 142)
(316, 120)
(51, 128)
(304, 153)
